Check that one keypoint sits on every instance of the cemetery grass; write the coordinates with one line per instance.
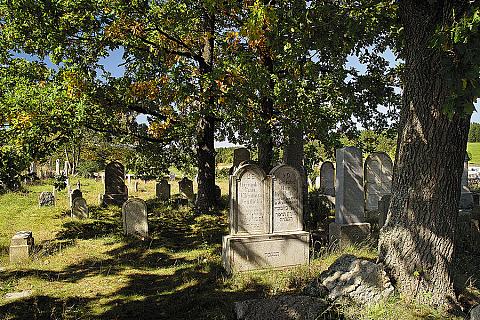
(88, 270)
(473, 149)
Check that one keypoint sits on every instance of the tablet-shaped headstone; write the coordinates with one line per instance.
(327, 178)
(186, 188)
(378, 178)
(286, 204)
(79, 208)
(248, 210)
(114, 178)
(74, 194)
(162, 190)
(134, 216)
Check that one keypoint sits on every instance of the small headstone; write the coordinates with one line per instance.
(46, 199)
(135, 186)
(134, 217)
(186, 188)
(21, 246)
(162, 190)
(79, 208)
(327, 178)
(57, 167)
(75, 193)
(378, 172)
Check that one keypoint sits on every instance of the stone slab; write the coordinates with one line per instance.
(343, 235)
(244, 253)
(21, 246)
(134, 217)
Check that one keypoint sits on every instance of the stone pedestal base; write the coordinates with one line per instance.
(115, 199)
(343, 235)
(21, 246)
(250, 252)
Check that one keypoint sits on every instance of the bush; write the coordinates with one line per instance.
(86, 168)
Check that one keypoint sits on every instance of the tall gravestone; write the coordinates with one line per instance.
(239, 155)
(378, 170)
(79, 208)
(162, 190)
(134, 217)
(57, 167)
(349, 226)
(265, 220)
(327, 178)
(116, 192)
(466, 197)
(185, 187)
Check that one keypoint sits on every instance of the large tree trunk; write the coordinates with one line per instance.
(417, 242)
(205, 149)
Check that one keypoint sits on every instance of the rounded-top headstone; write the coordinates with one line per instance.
(327, 178)
(134, 216)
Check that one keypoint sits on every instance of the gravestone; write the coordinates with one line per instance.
(317, 182)
(265, 220)
(116, 191)
(239, 155)
(75, 193)
(57, 167)
(79, 208)
(378, 171)
(466, 197)
(186, 188)
(21, 246)
(33, 168)
(327, 178)
(163, 190)
(46, 198)
(134, 217)
(349, 226)
(66, 168)
(135, 186)
(287, 207)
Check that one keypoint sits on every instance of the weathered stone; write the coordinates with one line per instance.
(186, 189)
(46, 198)
(475, 313)
(383, 205)
(243, 253)
(240, 155)
(327, 178)
(349, 195)
(281, 308)
(344, 235)
(18, 295)
(315, 289)
(134, 217)
(162, 190)
(21, 246)
(286, 190)
(248, 207)
(74, 194)
(318, 184)
(378, 172)
(66, 168)
(135, 186)
(116, 191)
(360, 280)
(79, 208)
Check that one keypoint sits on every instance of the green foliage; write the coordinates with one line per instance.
(474, 133)
(224, 155)
(60, 182)
(87, 168)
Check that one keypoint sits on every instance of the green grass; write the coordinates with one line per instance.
(473, 149)
(88, 270)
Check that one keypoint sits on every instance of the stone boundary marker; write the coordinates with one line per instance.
(134, 218)
(266, 220)
(21, 246)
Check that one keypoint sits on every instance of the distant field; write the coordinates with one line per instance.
(473, 149)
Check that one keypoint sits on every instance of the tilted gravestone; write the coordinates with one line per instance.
(134, 217)
(186, 188)
(162, 190)
(46, 198)
(79, 208)
(265, 220)
(21, 246)
(115, 189)
(378, 170)
(327, 178)
(75, 193)
(349, 226)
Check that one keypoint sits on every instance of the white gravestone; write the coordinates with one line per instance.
(134, 217)
(57, 167)
(378, 171)
(287, 208)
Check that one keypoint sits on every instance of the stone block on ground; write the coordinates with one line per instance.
(18, 295)
(281, 308)
(343, 235)
(358, 279)
(21, 246)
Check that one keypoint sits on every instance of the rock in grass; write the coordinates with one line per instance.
(18, 295)
(360, 280)
(475, 313)
(281, 308)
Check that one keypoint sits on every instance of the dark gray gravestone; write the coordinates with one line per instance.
(162, 190)
(79, 208)
(186, 188)
(46, 198)
(115, 189)
(74, 194)
(327, 178)
(134, 217)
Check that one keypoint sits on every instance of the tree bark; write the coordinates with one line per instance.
(417, 242)
(205, 149)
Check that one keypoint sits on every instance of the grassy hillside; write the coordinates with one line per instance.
(473, 149)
